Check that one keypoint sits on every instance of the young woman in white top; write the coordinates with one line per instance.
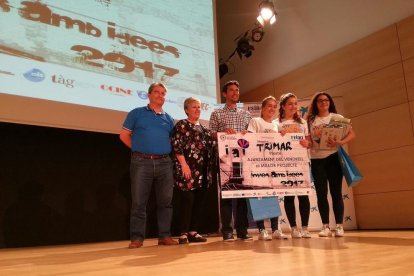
(265, 124)
(325, 163)
(289, 121)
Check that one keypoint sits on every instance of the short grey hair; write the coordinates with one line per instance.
(188, 101)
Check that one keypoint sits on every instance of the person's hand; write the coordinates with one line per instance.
(283, 132)
(186, 171)
(243, 132)
(230, 131)
(305, 143)
(318, 133)
(333, 143)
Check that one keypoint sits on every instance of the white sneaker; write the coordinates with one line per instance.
(306, 234)
(325, 232)
(339, 231)
(296, 233)
(277, 234)
(264, 236)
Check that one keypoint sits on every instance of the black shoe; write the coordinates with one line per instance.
(196, 238)
(228, 237)
(244, 237)
(182, 240)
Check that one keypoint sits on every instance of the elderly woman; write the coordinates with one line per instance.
(193, 146)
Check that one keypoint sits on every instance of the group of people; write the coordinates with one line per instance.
(164, 155)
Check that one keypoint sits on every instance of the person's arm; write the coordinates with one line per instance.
(179, 141)
(213, 124)
(126, 137)
(248, 120)
(350, 136)
(184, 166)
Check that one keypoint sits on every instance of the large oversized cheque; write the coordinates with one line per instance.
(263, 164)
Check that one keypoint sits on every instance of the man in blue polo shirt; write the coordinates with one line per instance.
(147, 131)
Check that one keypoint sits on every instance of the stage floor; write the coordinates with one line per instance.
(359, 253)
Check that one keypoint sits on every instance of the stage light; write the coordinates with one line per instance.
(244, 48)
(267, 13)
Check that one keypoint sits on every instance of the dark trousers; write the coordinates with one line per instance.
(273, 223)
(324, 171)
(304, 209)
(191, 203)
(241, 221)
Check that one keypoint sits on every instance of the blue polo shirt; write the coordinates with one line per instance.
(151, 132)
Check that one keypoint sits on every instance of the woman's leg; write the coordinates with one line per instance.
(335, 175)
(321, 186)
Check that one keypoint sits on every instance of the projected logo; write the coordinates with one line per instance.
(59, 79)
(34, 75)
(115, 90)
(142, 95)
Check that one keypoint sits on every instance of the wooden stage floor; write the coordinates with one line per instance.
(359, 253)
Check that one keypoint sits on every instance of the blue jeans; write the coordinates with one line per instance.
(146, 173)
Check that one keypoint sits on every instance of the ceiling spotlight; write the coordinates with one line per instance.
(267, 13)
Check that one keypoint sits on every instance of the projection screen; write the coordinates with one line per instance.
(83, 64)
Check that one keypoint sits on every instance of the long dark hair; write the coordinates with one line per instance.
(313, 107)
(282, 102)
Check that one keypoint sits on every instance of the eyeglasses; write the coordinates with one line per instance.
(323, 101)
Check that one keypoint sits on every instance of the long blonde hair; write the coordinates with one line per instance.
(264, 102)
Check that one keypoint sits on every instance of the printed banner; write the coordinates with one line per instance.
(263, 164)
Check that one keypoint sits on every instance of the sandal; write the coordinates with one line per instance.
(196, 238)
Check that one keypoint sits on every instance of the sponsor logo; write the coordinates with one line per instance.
(243, 143)
(142, 94)
(34, 75)
(297, 137)
(253, 108)
(59, 79)
(115, 90)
